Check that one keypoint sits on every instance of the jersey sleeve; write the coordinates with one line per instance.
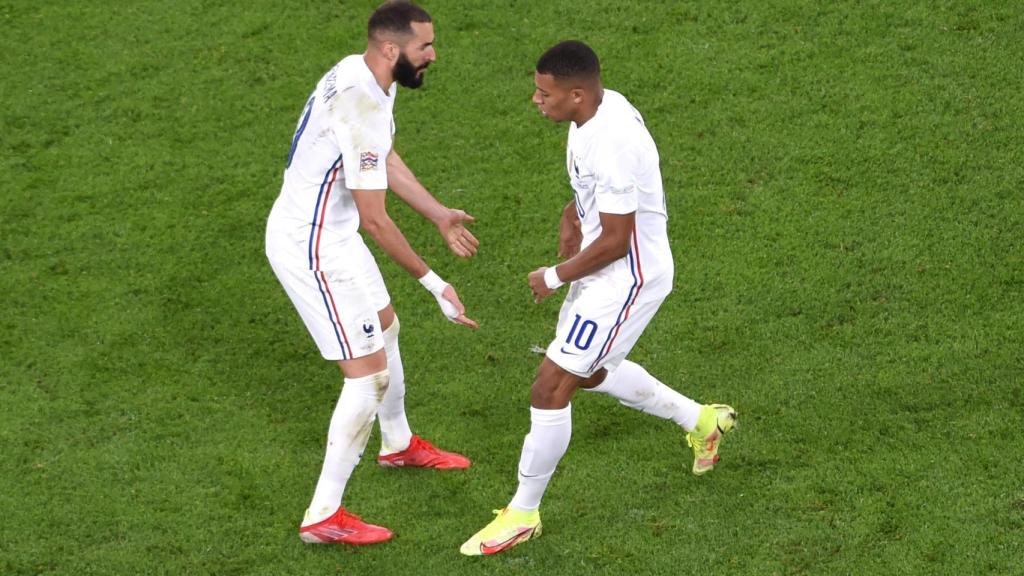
(362, 129)
(615, 189)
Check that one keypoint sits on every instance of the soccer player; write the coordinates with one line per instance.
(340, 164)
(620, 268)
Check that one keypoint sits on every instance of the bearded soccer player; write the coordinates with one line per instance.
(340, 165)
(620, 270)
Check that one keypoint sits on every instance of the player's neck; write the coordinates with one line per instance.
(589, 108)
(380, 68)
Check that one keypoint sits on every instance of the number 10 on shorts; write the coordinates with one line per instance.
(585, 334)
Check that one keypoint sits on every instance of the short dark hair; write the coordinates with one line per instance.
(570, 59)
(397, 17)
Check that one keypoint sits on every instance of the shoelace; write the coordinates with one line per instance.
(427, 446)
(433, 451)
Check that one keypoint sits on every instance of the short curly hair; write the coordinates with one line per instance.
(396, 17)
(570, 59)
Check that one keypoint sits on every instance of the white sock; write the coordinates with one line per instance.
(395, 434)
(633, 386)
(544, 446)
(346, 438)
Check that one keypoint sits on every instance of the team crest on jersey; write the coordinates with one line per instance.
(369, 327)
(367, 161)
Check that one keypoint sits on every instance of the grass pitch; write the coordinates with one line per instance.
(845, 192)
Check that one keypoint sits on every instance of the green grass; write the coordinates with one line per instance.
(845, 188)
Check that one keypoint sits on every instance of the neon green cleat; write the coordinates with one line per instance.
(715, 421)
(510, 528)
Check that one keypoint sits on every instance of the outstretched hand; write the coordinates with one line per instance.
(453, 298)
(452, 226)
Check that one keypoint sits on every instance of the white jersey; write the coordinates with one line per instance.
(341, 143)
(614, 168)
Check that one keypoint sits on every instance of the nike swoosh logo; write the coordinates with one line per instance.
(564, 351)
(523, 534)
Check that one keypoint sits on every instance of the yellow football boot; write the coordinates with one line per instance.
(510, 528)
(715, 421)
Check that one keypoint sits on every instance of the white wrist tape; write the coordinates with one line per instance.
(435, 285)
(551, 279)
(432, 282)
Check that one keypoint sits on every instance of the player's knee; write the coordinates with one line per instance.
(393, 328)
(548, 398)
(554, 387)
(595, 380)
(391, 335)
(388, 319)
(373, 385)
(381, 381)
(364, 366)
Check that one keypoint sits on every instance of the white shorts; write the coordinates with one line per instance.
(339, 305)
(598, 325)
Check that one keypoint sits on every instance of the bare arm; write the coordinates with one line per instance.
(374, 220)
(612, 244)
(403, 182)
(569, 234)
(450, 222)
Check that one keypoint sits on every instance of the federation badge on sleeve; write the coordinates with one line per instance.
(367, 161)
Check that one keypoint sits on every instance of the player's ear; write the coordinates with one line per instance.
(391, 50)
(577, 95)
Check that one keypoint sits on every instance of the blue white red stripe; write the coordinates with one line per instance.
(320, 213)
(332, 313)
(634, 291)
(315, 231)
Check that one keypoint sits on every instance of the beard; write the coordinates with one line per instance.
(406, 74)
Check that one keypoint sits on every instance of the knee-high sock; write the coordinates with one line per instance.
(633, 386)
(346, 438)
(395, 434)
(544, 446)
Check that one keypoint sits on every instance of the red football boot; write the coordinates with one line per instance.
(344, 527)
(423, 454)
